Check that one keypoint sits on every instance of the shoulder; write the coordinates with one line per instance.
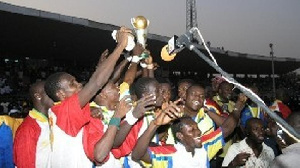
(267, 148)
(73, 100)
(236, 146)
(29, 125)
(163, 150)
(239, 146)
(268, 151)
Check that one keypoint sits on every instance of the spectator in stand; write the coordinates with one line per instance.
(14, 110)
(250, 152)
(279, 103)
(271, 134)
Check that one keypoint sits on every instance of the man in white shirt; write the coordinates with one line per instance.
(250, 152)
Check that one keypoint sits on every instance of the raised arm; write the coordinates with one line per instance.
(230, 123)
(104, 69)
(166, 116)
(146, 103)
(215, 117)
(148, 71)
(118, 70)
(150, 66)
(131, 72)
(105, 144)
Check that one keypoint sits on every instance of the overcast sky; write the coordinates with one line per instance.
(237, 25)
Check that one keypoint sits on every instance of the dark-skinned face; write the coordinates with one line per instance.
(69, 85)
(165, 91)
(112, 95)
(190, 135)
(256, 131)
(225, 91)
(153, 88)
(195, 98)
(182, 89)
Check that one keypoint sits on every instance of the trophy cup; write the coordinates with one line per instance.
(140, 25)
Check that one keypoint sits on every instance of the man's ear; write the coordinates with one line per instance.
(179, 136)
(60, 95)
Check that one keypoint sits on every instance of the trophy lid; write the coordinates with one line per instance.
(139, 22)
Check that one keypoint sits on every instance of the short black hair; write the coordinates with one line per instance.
(141, 85)
(34, 88)
(195, 85)
(177, 126)
(52, 85)
(190, 81)
(222, 84)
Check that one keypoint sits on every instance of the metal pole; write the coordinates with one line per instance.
(273, 70)
(185, 40)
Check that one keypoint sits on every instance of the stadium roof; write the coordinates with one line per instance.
(26, 32)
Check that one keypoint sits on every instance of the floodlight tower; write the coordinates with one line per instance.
(191, 14)
(273, 70)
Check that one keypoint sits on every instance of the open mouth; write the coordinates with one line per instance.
(198, 139)
(196, 103)
(261, 138)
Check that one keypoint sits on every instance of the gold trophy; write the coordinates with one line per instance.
(140, 25)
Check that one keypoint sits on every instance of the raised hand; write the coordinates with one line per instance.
(240, 159)
(138, 49)
(146, 103)
(149, 59)
(242, 98)
(241, 101)
(168, 114)
(123, 107)
(96, 113)
(122, 36)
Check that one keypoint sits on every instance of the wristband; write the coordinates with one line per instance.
(131, 120)
(143, 65)
(129, 58)
(135, 59)
(115, 121)
(150, 66)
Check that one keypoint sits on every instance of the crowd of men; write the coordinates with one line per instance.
(130, 119)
